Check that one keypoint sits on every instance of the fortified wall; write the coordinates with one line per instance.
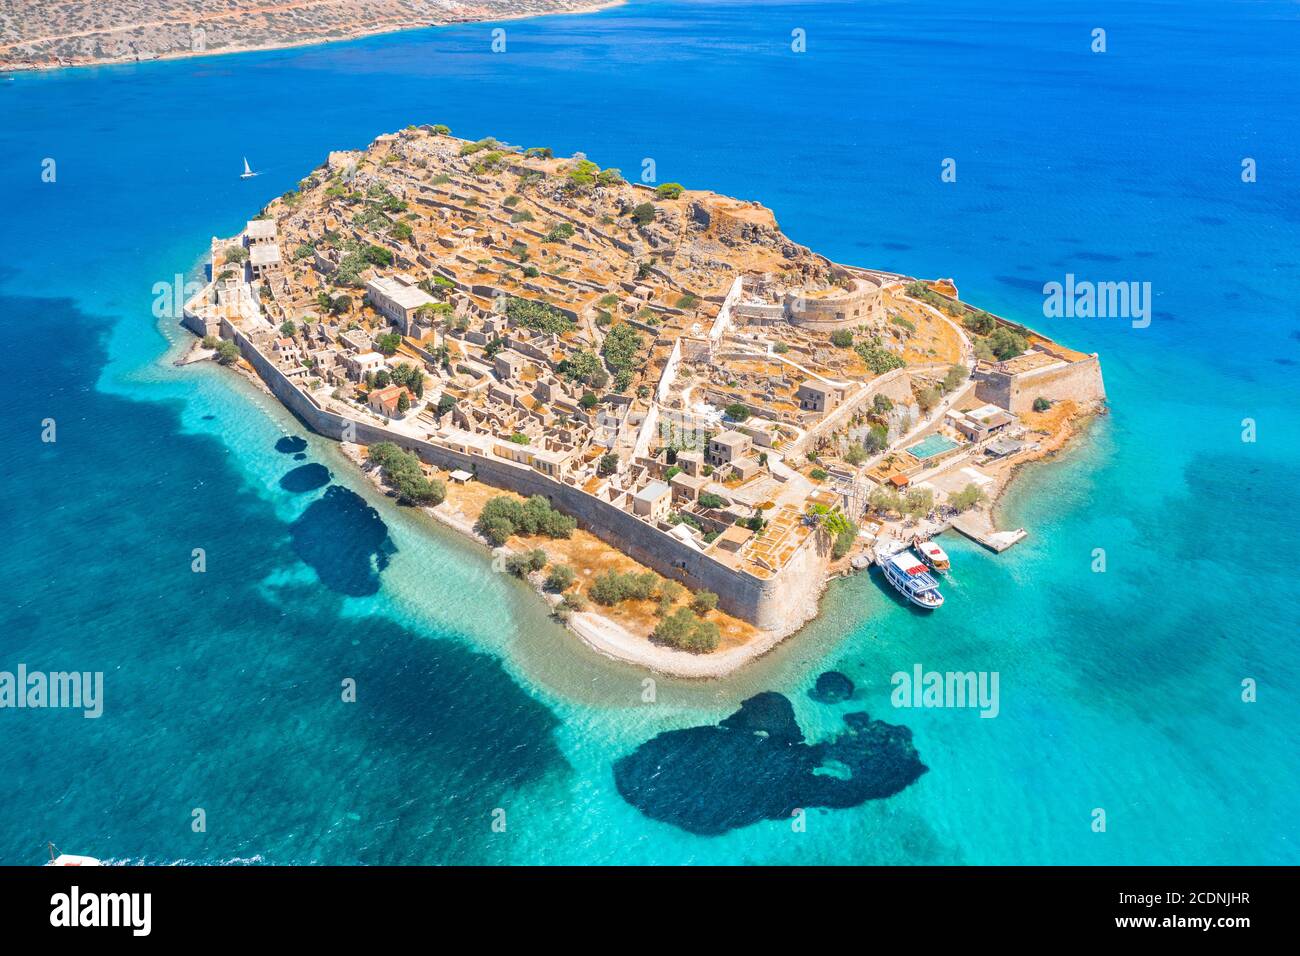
(1078, 381)
(1073, 376)
(778, 602)
(841, 310)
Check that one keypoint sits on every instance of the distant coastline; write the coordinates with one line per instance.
(191, 31)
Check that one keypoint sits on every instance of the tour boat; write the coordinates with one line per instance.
(910, 578)
(248, 170)
(69, 859)
(933, 555)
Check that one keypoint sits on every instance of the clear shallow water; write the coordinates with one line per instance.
(1118, 690)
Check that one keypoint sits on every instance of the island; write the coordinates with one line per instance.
(38, 35)
(673, 421)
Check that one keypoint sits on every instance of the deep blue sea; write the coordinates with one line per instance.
(1119, 691)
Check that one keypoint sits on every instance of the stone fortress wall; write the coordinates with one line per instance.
(1078, 381)
(781, 602)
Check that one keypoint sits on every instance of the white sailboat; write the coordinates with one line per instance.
(69, 859)
(248, 170)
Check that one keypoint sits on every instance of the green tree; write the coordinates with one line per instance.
(877, 439)
(227, 352)
(842, 338)
(669, 191)
(1006, 343)
(968, 497)
(404, 473)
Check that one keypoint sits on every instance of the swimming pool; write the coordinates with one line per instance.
(931, 446)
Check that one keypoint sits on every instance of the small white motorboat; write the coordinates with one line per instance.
(933, 555)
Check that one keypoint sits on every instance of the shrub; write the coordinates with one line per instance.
(622, 344)
(643, 214)
(683, 630)
(538, 316)
(671, 591)
(607, 588)
(502, 517)
(956, 375)
(402, 470)
(818, 474)
(710, 500)
(702, 602)
(1041, 404)
(611, 587)
(844, 541)
(737, 412)
(574, 601)
(670, 191)
(560, 578)
(842, 338)
(878, 359)
(525, 563)
(559, 232)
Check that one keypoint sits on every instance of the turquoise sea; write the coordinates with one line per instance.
(1119, 691)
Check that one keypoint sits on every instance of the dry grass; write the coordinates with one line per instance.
(589, 557)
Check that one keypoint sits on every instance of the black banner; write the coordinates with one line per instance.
(332, 904)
